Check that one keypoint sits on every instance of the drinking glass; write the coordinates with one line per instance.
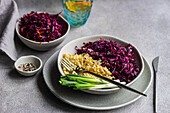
(77, 11)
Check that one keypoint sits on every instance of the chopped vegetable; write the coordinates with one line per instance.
(120, 60)
(82, 82)
(40, 27)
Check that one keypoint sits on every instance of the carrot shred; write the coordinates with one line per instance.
(101, 38)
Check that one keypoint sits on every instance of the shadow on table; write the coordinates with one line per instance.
(54, 101)
(50, 98)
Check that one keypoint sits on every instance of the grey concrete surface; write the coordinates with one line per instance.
(144, 23)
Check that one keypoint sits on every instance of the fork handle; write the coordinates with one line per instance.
(116, 83)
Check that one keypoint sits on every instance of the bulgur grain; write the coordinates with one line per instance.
(86, 62)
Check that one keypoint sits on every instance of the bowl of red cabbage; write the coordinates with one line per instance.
(41, 30)
(123, 60)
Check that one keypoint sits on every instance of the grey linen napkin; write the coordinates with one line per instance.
(8, 17)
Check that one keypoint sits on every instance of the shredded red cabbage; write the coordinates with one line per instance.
(118, 59)
(40, 27)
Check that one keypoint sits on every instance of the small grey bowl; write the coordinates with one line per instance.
(28, 59)
(44, 46)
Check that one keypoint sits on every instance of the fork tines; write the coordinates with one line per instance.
(67, 64)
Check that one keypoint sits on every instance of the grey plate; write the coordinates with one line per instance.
(91, 101)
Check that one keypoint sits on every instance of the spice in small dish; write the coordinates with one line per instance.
(27, 67)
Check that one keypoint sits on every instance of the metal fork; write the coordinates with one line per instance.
(72, 67)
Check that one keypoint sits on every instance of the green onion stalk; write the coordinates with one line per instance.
(82, 82)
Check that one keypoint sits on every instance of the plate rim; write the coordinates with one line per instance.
(97, 108)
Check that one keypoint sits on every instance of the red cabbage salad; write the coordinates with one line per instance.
(40, 27)
(119, 59)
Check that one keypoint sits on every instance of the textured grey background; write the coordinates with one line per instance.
(144, 23)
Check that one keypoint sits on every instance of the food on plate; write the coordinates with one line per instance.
(84, 61)
(40, 27)
(103, 57)
(119, 59)
(83, 82)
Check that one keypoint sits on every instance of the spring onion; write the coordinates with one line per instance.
(82, 82)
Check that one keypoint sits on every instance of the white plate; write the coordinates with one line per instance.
(90, 101)
(69, 48)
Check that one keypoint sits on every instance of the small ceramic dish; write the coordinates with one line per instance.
(28, 59)
(44, 46)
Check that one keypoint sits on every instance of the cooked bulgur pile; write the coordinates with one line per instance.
(84, 61)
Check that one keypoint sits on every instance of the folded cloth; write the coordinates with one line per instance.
(8, 17)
